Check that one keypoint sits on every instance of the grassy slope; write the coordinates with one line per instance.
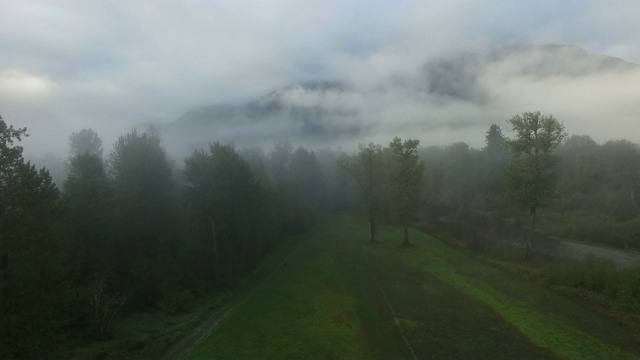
(324, 303)
(154, 334)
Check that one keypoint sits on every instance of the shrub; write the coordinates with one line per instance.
(621, 287)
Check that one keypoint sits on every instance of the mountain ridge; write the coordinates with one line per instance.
(316, 113)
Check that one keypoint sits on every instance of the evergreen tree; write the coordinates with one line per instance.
(32, 254)
(229, 203)
(143, 213)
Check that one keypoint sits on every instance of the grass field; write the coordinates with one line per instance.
(337, 297)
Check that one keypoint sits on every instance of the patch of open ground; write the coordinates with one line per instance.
(339, 297)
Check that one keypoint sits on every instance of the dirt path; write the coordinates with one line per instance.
(241, 295)
(571, 250)
(577, 251)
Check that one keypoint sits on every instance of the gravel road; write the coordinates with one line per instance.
(577, 251)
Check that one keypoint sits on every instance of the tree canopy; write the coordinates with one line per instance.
(406, 181)
(530, 176)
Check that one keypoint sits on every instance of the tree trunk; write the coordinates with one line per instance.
(406, 236)
(5, 266)
(372, 230)
(215, 251)
(533, 212)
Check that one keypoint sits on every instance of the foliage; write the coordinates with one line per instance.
(297, 185)
(103, 306)
(121, 242)
(619, 286)
(406, 181)
(461, 174)
(495, 157)
(366, 168)
(89, 195)
(86, 141)
(530, 177)
(143, 213)
(32, 256)
(229, 203)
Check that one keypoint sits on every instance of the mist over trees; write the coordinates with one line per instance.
(367, 169)
(406, 182)
(137, 230)
(530, 177)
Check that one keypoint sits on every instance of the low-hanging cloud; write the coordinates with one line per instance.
(113, 65)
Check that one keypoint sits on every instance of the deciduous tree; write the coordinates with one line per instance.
(86, 141)
(406, 182)
(366, 168)
(228, 200)
(530, 178)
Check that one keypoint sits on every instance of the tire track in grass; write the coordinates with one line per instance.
(204, 330)
(395, 318)
(182, 349)
(541, 328)
(304, 312)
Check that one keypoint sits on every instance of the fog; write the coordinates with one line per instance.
(448, 99)
(437, 71)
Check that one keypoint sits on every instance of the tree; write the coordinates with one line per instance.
(460, 178)
(228, 200)
(31, 254)
(496, 142)
(143, 210)
(86, 141)
(622, 167)
(491, 166)
(308, 184)
(88, 193)
(580, 172)
(366, 168)
(280, 162)
(407, 182)
(530, 178)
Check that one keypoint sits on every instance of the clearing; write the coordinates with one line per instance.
(337, 297)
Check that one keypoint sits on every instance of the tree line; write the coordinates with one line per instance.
(134, 229)
(588, 191)
(131, 231)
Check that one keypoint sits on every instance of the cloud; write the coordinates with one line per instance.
(112, 64)
(591, 94)
(14, 82)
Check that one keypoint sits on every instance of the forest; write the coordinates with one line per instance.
(132, 229)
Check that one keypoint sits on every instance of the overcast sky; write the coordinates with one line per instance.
(109, 64)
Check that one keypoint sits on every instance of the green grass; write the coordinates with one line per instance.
(153, 333)
(325, 303)
(305, 310)
(548, 321)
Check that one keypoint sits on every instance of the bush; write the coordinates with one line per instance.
(588, 227)
(621, 287)
(628, 289)
(177, 302)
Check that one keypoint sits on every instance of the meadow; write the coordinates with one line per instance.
(335, 296)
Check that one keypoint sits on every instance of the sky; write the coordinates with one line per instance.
(112, 64)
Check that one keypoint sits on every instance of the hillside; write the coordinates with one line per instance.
(454, 92)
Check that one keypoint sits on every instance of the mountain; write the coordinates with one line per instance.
(459, 76)
(302, 111)
(326, 113)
